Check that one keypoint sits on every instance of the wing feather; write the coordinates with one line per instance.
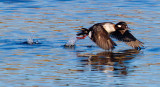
(101, 37)
(128, 38)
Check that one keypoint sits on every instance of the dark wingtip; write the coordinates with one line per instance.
(139, 48)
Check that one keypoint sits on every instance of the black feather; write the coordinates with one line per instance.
(128, 38)
(84, 31)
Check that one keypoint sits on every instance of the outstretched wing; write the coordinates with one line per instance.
(101, 37)
(128, 38)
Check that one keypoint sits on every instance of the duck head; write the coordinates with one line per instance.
(121, 26)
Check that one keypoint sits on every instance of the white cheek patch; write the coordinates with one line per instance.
(109, 27)
(119, 26)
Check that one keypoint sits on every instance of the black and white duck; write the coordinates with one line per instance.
(101, 34)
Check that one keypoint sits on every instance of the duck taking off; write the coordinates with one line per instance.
(100, 33)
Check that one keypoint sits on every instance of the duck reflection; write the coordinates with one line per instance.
(110, 61)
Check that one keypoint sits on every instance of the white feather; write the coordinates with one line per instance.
(90, 34)
(109, 27)
(119, 25)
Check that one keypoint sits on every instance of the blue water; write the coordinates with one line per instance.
(53, 22)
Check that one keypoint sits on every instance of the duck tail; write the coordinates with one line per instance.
(84, 32)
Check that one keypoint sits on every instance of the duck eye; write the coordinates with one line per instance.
(119, 26)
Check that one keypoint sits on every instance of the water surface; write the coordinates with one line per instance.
(53, 22)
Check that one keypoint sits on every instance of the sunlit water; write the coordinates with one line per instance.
(52, 22)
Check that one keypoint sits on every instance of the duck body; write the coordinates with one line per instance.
(100, 33)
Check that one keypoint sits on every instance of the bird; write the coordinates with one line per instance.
(101, 34)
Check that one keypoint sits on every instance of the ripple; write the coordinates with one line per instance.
(48, 63)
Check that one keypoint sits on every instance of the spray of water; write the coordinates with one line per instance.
(31, 41)
(71, 42)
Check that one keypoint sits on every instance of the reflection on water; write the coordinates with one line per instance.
(110, 61)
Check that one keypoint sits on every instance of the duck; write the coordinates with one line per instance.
(101, 34)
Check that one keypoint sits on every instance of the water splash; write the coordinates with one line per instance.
(31, 41)
(71, 42)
